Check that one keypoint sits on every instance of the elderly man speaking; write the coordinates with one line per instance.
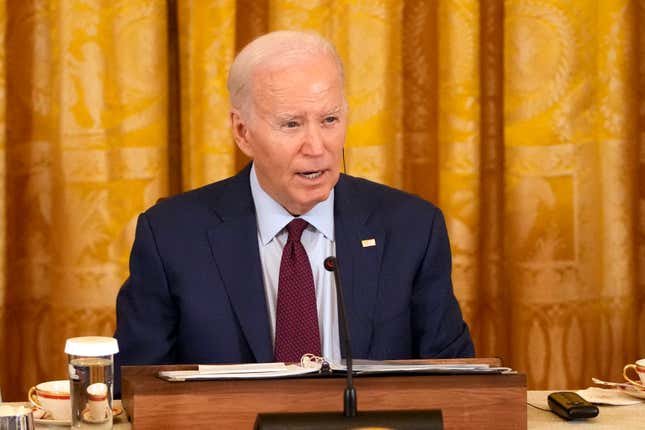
(233, 272)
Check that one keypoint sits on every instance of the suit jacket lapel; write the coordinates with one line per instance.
(359, 262)
(234, 245)
(235, 251)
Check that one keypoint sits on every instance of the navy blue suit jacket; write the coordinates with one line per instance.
(195, 292)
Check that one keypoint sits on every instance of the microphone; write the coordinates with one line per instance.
(350, 419)
(350, 400)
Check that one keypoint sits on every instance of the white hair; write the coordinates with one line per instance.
(276, 48)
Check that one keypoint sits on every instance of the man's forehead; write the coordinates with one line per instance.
(287, 113)
(288, 88)
(294, 59)
(283, 103)
(289, 64)
(298, 85)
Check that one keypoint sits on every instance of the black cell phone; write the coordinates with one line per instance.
(571, 406)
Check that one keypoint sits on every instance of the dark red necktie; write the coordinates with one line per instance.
(296, 321)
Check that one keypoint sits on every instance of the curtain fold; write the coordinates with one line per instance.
(207, 47)
(570, 170)
(85, 152)
(420, 98)
(639, 96)
(490, 322)
(3, 195)
(523, 120)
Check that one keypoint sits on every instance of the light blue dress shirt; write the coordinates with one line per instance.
(318, 241)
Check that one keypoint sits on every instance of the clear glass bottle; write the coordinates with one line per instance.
(91, 377)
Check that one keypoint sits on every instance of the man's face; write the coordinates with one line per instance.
(295, 131)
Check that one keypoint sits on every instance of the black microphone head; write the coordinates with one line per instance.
(330, 264)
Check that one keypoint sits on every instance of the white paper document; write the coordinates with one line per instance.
(365, 367)
(237, 371)
(360, 367)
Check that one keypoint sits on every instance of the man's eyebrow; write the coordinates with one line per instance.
(285, 116)
(334, 111)
(288, 116)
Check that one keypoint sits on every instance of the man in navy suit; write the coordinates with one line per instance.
(204, 269)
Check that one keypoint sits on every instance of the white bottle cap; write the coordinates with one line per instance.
(7, 410)
(91, 346)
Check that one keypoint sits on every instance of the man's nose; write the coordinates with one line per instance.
(313, 143)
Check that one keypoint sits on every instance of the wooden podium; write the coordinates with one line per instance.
(466, 401)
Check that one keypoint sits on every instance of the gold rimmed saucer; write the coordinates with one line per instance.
(51, 422)
(632, 391)
(116, 411)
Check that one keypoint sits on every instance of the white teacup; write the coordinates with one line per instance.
(54, 398)
(639, 368)
(98, 408)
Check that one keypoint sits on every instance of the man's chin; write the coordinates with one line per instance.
(305, 205)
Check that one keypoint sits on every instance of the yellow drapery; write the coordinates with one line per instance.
(521, 119)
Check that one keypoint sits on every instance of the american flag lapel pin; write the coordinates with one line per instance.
(368, 242)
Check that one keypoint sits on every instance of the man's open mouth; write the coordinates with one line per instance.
(311, 174)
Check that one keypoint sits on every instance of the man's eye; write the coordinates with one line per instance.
(291, 124)
(330, 119)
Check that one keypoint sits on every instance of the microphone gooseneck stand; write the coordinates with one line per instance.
(350, 400)
(351, 418)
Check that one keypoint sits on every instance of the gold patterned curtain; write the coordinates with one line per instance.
(523, 120)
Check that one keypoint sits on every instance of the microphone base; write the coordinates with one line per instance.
(395, 420)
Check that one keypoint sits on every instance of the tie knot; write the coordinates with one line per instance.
(295, 228)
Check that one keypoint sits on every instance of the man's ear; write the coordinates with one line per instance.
(241, 133)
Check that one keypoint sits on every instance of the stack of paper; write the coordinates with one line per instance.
(237, 371)
(360, 367)
(364, 367)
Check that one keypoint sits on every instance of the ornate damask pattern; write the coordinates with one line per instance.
(207, 47)
(569, 188)
(251, 21)
(420, 58)
(521, 119)
(491, 329)
(86, 139)
(458, 163)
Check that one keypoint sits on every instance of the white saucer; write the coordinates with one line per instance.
(116, 411)
(632, 391)
(51, 422)
(90, 419)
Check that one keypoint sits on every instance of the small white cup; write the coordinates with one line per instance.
(98, 407)
(639, 368)
(54, 398)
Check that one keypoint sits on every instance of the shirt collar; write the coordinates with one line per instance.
(272, 217)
